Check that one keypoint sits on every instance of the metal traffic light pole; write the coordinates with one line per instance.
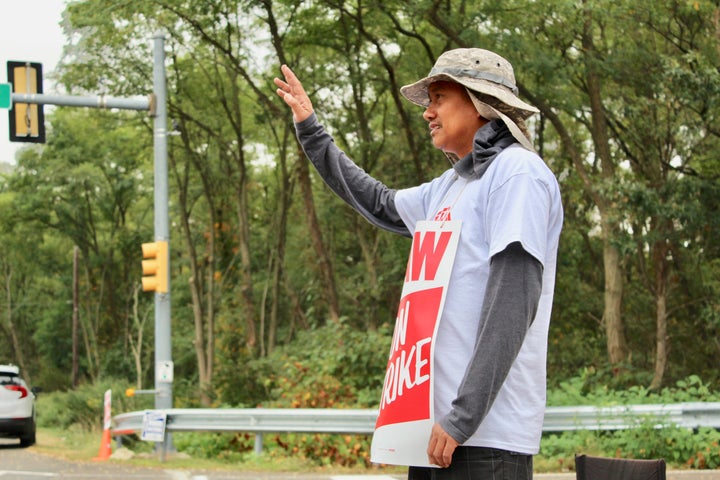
(163, 351)
(156, 105)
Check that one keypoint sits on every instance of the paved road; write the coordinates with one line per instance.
(26, 464)
(671, 475)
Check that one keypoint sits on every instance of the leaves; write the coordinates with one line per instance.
(261, 249)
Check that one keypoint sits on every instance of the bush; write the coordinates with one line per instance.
(84, 406)
(231, 447)
(680, 447)
(337, 367)
(590, 387)
(334, 366)
(331, 366)
(325, 449)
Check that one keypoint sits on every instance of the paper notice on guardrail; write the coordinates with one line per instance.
(405, 417)
(153, 426)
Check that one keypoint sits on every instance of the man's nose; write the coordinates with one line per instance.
(429, 113)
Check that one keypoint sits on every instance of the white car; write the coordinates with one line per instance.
(17, 406)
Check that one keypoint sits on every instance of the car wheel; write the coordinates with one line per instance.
(28, 439)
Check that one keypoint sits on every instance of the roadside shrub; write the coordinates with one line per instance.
(334, 366)
(680, 447)
(231, 447)
(330, 366)
(84, 406)
(337, 367)
(324, 449)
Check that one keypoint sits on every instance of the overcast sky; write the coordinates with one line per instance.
(29, 31)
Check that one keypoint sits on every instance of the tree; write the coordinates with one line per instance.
(82, 187)
(628, 96)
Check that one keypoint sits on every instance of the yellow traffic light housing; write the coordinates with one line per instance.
(27, 121)
(155, 267)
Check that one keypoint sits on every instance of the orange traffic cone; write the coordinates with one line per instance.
(105, 446)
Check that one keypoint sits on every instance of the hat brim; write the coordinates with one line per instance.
(417, 92)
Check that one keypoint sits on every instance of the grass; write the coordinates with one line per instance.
(71, 444)
(80, 445)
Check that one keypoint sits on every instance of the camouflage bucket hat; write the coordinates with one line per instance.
(478, 70)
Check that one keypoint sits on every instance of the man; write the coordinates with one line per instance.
(490, 347)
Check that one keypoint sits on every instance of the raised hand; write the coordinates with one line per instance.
(292, 91)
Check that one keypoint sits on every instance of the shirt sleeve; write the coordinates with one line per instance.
(511, 301)
(368, 196)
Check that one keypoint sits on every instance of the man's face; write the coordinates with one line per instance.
(452, 118)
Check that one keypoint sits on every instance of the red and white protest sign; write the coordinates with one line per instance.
(406, 417)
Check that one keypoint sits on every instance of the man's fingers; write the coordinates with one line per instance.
(293, 83)
(293, 93)
(447, 454)
(281, 84)
(440, 447)
(436, 452)
(290, 76)
(431, 450)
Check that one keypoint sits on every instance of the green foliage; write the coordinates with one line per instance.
(333, 366)
(246, 258)
(680, 447)
(226, 447)
(330, 366)
(324, 449)
(84, 406)
(593, 387)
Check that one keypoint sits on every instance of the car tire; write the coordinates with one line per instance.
(28, 439)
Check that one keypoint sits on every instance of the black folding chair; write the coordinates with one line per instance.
(602, 468)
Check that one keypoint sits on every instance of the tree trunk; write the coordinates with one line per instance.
(612, 313)
(660, 267)
(240, 176)
(195, 282)
(89, 334)
(136, 344)
(612, 261)
(368, 248)
(196, 294)
(75, 319)
(10, 323)
(327, 275)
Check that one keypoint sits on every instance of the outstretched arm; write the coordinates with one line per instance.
(368, 196)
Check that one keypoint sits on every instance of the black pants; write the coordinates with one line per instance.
(479, 463)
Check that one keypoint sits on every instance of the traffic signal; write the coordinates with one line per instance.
(27, 121)
(155, 267)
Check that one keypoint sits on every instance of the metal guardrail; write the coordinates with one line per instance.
(685, 415)
(308, 420)
(362, 421)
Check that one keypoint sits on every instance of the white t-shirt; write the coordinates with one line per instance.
(516, 200)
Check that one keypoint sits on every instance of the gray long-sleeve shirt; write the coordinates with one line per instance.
(514, 283)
